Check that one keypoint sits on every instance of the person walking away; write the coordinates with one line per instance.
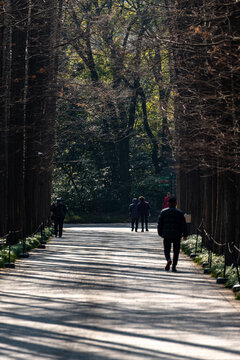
(134, 214)
(59, 211)
(172, 226)
(143, 212)
(165, 201)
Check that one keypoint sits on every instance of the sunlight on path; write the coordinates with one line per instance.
(101, 292)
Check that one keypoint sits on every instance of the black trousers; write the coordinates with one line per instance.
(58, 226)
(144, 219)
(167, 243)
(134, 223)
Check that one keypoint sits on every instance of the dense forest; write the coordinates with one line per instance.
(116, 107)
(116, 99)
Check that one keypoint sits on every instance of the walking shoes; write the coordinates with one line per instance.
(169, 263)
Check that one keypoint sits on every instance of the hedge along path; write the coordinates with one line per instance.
(9, 252)
(101, 292)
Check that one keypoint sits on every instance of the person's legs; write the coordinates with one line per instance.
(146, 222)
(167, 250)
(142, 222)
(136, 227)
(132, 224)
(60, 227)
(176, 250)
(55, 227)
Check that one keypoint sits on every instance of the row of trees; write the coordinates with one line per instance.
(28, 32)
(142, 84)
(207, 109)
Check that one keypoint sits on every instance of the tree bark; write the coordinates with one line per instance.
(16, 118)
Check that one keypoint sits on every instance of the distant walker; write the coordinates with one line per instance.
(143, 212)
(59, 211)
(133, 212)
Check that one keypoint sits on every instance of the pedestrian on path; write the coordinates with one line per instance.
(172, 226)
(133, 211)
(143, 212)
(59, 211)
(165, 201)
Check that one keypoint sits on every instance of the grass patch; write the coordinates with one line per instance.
(217, 268)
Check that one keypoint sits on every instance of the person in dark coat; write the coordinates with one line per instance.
(172, 226)
(143, 212)
(59, 211)
(134, 214)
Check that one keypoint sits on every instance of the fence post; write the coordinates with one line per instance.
(202, 230)
(223, 279)
(236, 287)
(193, 255)
(196, 244)
(209, 263)
(9, 242)
(210, 250)
(23, 254)
(205, 264)
(42, 242)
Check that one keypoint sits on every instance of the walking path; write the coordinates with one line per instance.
(101, 293)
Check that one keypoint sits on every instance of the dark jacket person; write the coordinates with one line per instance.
(172, 226)
(143, 212)
(59, 211)
(133, 211)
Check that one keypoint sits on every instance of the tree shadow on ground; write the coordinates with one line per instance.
(82, 299)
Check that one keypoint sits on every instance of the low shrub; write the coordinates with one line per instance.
(217, 267)
(86, 218)
(31, 242)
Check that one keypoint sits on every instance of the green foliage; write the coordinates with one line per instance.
(217, 268)
(94, 217)
(108, 59)
(31, 242)
(188, 246)
(231, 274)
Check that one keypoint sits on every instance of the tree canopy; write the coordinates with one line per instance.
(116, 92)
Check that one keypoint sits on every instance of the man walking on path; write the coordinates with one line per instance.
(172, 226)
(59, 211)
(143, 212)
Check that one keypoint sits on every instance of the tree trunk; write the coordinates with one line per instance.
(16, 118)
(124, 175)
(40, 112)
(4, 89)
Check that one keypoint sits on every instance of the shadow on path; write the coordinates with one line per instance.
(101, 292)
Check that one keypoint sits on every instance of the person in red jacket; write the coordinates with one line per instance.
(165, 201)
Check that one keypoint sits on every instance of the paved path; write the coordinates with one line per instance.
(100, 293)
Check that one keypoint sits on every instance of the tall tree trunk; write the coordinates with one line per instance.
(153, 140)
(124, 175)
(16, 117)
(4, 61)
(40, 111)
